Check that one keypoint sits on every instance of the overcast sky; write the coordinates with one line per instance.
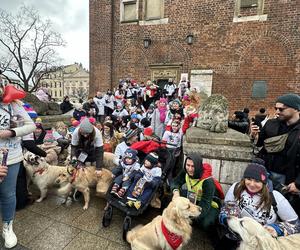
(70, 18)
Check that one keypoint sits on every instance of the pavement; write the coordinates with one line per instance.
(50, 225)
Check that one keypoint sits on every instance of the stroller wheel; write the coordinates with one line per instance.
(126, 226)
(107, 216)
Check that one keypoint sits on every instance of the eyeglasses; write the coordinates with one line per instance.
(279, 109)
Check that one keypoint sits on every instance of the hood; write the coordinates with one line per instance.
(202, 170)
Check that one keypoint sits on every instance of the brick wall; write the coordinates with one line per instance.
(238, 53)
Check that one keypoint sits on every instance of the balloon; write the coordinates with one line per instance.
(11, 93)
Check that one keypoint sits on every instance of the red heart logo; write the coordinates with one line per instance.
(11, 93)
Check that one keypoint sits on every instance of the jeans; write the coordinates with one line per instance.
(8, 193)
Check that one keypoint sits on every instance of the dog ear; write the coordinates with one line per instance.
(175, 215)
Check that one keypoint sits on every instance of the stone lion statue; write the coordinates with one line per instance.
(213, 114)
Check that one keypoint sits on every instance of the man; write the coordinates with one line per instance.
(196, 182)
(283, 159)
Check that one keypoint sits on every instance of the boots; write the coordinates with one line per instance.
(9, 235)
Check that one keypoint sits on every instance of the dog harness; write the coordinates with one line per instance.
(173, 239)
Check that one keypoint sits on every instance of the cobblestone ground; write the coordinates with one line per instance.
(50, 225)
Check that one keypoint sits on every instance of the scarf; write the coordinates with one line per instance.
(162, 113)
(173, 239)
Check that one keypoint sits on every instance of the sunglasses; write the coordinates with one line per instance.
(280, 109)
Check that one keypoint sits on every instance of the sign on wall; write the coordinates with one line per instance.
(201, 80)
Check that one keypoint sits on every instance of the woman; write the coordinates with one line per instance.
(251, 197)
(158, 117)
(15, 123)
(109, 140)
(87, 145)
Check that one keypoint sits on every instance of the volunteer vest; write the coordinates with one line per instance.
(195, 185)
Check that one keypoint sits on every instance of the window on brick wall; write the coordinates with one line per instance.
(153, 9)
(129, 10)
(249, 3)
(248, 8)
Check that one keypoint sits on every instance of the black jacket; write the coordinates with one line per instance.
(287, 161)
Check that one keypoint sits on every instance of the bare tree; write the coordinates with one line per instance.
(27, 46)
(80, 93)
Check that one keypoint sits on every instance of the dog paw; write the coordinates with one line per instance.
(85, 207)
(39, 200)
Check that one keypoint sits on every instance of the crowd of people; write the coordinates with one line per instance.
(144, 125)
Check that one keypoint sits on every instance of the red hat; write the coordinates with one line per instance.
(148, 131)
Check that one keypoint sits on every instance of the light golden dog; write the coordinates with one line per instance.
(83, 179)
(44, 175)
(176, 219)
(255, 237)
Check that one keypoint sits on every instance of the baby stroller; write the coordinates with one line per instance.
(120, 203)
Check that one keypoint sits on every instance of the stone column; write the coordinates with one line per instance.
(228, 153)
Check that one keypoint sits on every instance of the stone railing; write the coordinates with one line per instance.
(49, 121)
(228, 153)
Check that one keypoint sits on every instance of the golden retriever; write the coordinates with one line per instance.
(176, 218)
(44, 175)
(84, 178)
(255, 237)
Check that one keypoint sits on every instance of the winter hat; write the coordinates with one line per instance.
(152, 158)
(86, 126)
(134, 116)
(239, 114)
(30, 110)
(290, 100)
(145, 122)
(176, 101)
(130, 133)
(257, 172)
(130, 153)
(148, 131)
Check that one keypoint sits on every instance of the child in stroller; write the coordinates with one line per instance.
(145, 182)
(122, 173)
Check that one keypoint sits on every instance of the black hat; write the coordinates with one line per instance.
(290, 100)
(152, 158)
(257, 172)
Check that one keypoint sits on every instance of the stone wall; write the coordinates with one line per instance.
(238, 50)
(228, 153)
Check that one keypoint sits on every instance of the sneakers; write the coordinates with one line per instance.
(121, 192)
(9, 235)
(137, 204)
(114, 189)
(131, 203)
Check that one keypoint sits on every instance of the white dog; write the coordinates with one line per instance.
(255, 237)
(175, 222)
(44, 175)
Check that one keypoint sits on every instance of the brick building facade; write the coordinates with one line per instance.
(247, 50)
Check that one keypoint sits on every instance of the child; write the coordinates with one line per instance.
(144, 182)
(127, 166)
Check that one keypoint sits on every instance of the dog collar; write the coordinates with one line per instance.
(173, 239)
(73, 176)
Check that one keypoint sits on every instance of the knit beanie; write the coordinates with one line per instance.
(148, 131)
(131, 154)
(130, 133)
(152, 158)
(290, 100)
(257, 172)
(86, 126)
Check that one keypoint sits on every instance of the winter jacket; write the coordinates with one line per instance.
(287, 161)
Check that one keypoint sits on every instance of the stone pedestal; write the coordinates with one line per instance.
(49, 121)
(228, 153)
